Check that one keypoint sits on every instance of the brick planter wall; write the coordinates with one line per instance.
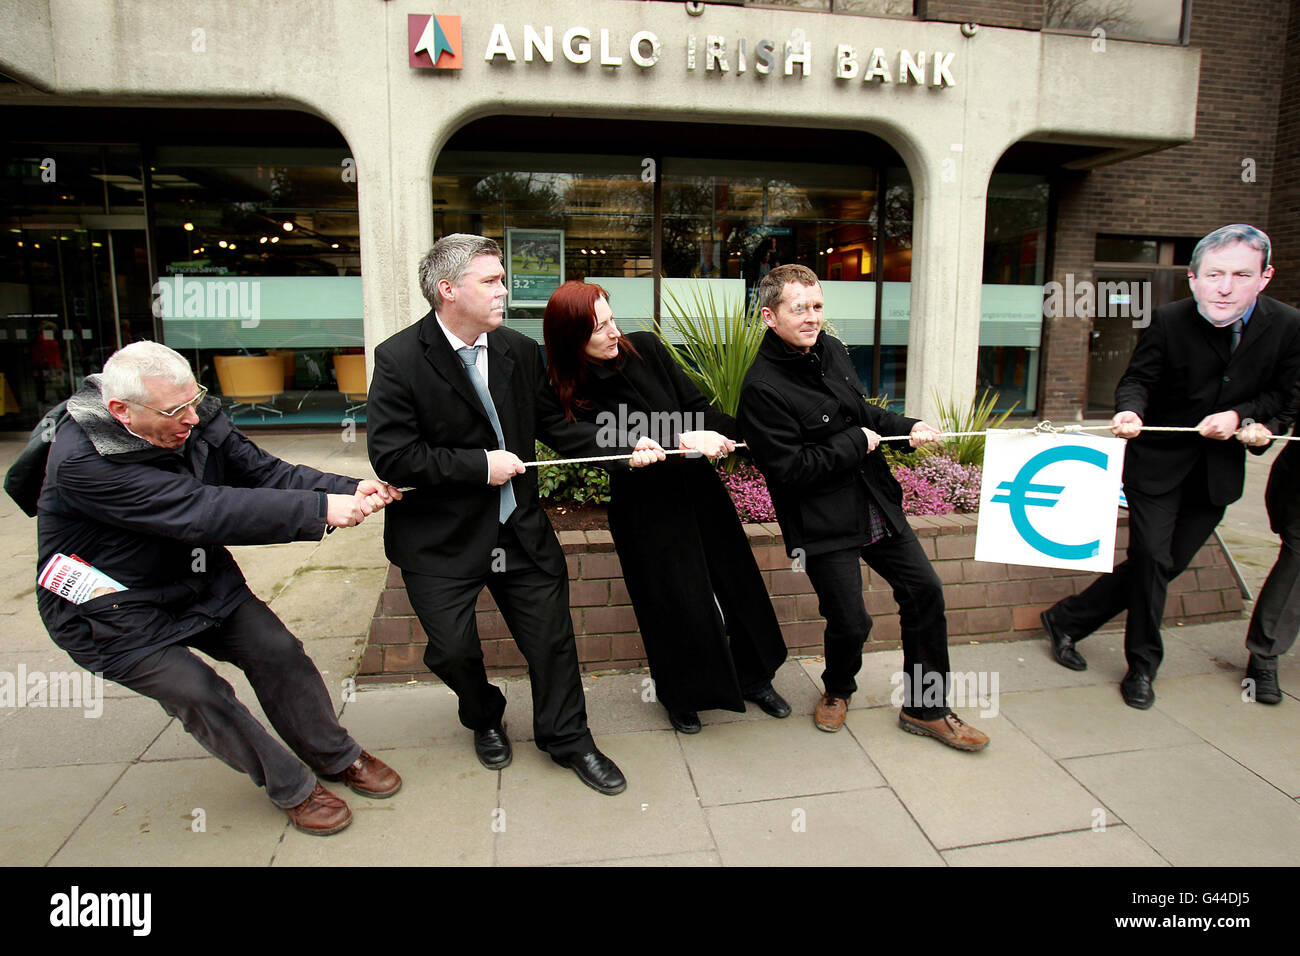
(986, 602)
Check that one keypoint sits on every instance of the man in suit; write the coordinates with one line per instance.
(453, 405)
(1222, 358)
(815, 439)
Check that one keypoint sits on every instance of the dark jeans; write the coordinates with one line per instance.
(1165, 532)
(535, 605)
(287, 684)
(837, 579)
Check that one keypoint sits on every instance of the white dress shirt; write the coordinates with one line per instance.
(480, 358)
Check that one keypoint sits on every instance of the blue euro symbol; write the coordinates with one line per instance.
(1015, 494)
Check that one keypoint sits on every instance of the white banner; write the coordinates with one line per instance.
(1050, 500)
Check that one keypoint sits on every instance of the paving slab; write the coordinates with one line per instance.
(1074, 721)
(269, 567)
(1262, 737)
(21, 625)
(1195, 806)
(49, 658)
(1009, 790)
(322, 603)
(58, 736)
(442, 816)
(406, 716)
(552, 817)
(616, 703)
(852, 828)
(148, 819)
(746, 761)
(40, 807)
(1112, 846)
(661, 860)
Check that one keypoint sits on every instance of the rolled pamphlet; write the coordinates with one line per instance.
(74, 580)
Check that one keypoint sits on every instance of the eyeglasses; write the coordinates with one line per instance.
(179, 410)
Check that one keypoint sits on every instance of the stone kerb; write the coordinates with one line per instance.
(985, 602)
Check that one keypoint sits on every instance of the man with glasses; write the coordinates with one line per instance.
(147, 482)
(1219, 360)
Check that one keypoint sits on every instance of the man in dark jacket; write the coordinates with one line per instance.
(146, 483)
(1215, 361)
(815, 439)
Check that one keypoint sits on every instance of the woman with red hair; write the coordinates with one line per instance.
(706, 622)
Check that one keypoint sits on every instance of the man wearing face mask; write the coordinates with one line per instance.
(1217, 361)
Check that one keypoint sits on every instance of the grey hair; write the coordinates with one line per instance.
(126, 370)
(449, 259)
(1226, 236)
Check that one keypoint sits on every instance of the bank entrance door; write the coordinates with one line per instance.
(69, 297)
(1125, 300)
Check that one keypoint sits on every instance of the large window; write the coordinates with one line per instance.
(1161, 21)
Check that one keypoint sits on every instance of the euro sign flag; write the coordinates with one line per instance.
(1050, 500)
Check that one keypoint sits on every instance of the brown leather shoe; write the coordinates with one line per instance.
(830, 712)
(320, 814)
(370, 777)
(951, 730)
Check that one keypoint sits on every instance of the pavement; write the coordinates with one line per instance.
(1072, 776)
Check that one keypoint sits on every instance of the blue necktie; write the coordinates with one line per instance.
(469, 355)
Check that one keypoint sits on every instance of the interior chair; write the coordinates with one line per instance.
(350, 371)
(290, 359)
(251, 380)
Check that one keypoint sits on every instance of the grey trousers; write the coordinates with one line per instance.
(287, 684)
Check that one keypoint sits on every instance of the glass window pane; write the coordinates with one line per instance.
(1160, 20)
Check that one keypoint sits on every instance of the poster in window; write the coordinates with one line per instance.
(535, 263)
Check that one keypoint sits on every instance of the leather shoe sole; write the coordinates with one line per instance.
(1062, 645)
(596, 771)
(492, 747)
(771, 703)
(950, 730)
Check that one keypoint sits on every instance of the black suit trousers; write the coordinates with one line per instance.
(1276, 618)
(535, 606)
(1165, 532)
(836, 576)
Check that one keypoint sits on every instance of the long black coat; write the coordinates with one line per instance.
(1183, 370)
(156, 521)
(678, 537)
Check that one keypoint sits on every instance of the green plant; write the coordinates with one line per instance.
(976, 417)
(720, 339)
(582, 484)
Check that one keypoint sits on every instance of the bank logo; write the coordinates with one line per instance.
(1015, 494)
(1049, 501)
(433, 41)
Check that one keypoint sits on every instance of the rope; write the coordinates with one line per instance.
(1042, 428)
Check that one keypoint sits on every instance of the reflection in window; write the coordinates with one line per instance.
(1159, 20)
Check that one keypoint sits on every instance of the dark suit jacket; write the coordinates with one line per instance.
(427, 428)
(802, 416)
(1182, 370)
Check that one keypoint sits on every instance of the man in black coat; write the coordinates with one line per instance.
(146, 482)
(1223, 358)
(815, 439)
(474, 520)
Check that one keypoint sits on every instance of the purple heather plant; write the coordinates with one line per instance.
(958, 484)
(749, 493)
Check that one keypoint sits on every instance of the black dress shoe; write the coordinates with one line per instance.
(595, 770)
(493, 747)
(770, 702)
(1137, 691)
(1062, 644)
(1267, 689)
(684, 721)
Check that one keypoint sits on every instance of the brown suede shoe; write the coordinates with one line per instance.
(320, 814)
(370, 777)
(951, 730)
(830, 712)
